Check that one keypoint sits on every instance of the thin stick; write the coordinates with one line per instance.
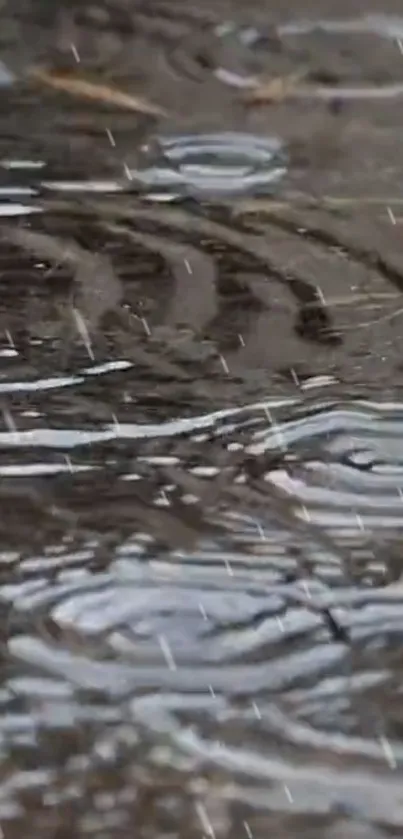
(97, 92)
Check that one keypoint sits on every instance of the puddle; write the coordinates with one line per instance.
(201, 420)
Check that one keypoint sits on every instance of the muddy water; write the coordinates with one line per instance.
(201, 474)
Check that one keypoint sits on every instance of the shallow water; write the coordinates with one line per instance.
(201, 471)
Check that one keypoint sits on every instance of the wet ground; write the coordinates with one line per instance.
(201, 472)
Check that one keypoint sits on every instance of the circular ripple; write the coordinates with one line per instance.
(225, 654)
(213, 166)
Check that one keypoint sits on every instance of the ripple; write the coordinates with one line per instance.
(353, 474)
(386, 26)
(215, 165)
(200, 574)
(222, 656)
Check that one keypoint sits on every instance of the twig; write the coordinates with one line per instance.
(97, 92)
(276, 89)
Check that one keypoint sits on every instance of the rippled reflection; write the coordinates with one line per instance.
(212, 165)
(221, 658)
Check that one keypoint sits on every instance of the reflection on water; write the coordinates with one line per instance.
(386, 26)
(201, 478)
(217, 658)
(214, 165)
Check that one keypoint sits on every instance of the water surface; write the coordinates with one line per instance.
(201, 472)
